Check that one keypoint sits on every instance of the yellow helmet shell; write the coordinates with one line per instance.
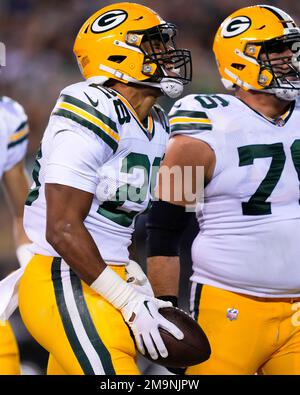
(103, 46)
(238, 42)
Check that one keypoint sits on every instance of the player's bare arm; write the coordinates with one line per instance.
(67, 209)
(182, 151)
(15, 185)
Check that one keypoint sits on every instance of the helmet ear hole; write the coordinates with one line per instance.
(117, 58)
(238, 66)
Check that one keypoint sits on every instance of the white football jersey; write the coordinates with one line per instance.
(13, 134)
(249, 238)
(95, 142)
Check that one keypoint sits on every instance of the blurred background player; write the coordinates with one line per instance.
(245, 281)
(94, 174)
(13, 145)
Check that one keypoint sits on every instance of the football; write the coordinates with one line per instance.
(194, 348)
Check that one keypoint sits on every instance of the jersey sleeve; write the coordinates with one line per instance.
(189, 118)
(17, 127)
(74, 160)
(84, 138)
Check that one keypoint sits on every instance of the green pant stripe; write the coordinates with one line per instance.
(66, 320)
(197, 301)
(89, 326)
(21, 126)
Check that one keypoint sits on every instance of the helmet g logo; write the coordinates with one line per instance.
(235, 26)
(108, 21)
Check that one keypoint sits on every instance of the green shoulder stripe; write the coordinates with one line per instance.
(23, 124)
(14, 143)
(90, 109)
(189, 114)
(190, 126)
(84, 122)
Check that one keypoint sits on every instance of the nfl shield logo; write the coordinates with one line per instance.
(232, 314)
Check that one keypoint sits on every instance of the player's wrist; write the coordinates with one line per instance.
(24, 254)
(114, 289)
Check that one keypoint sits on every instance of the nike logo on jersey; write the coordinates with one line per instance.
(93, 103)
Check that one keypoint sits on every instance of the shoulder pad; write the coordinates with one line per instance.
(187, 116)
(89, 107)
(209, 102)
(13, 109)
(91, 93)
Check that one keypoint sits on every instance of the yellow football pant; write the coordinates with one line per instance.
(247, 334)
(9, 353)
(83, 333)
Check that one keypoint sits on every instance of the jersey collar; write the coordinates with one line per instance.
(147, 125)
(281, 120)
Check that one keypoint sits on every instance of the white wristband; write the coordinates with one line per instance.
(23, 254)
(114, 289)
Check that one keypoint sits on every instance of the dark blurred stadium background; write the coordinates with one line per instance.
(39, 36)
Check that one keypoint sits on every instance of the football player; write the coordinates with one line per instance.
(13, 146)
(97, 160)
(246, 274)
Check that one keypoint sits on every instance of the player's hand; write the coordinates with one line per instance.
(144, 320)
(138, 279)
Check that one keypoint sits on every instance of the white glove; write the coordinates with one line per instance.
(136, 278)
(138, 310)
(144, 320)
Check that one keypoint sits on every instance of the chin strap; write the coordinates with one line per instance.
(169, 86)
(287, 93)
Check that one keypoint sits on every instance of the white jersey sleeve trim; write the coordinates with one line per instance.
(63, 175)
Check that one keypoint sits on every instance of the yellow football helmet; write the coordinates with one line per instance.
(129, 42)
(243, 44)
